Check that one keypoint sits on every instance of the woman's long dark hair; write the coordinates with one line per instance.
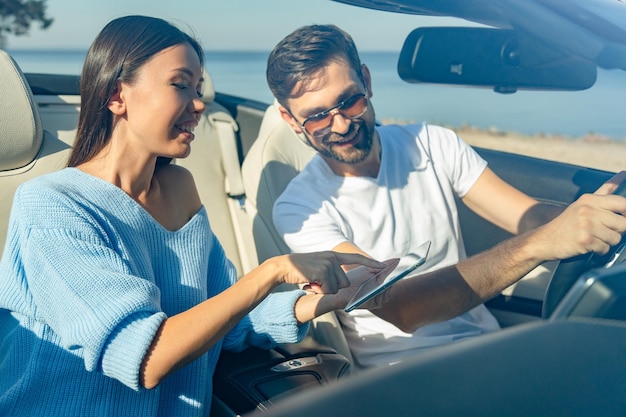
(118, 51)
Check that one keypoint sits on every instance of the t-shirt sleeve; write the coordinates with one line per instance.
(83, 290)
(306, 220)
(461, 163)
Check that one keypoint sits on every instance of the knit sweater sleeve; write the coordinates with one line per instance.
(272, 321)
(82, 288)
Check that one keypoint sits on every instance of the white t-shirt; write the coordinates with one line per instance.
(422, 168)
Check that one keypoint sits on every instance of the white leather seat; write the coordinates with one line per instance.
(26, 150)
(273, 160)
(277, 156)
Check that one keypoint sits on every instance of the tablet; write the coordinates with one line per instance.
(366, 292)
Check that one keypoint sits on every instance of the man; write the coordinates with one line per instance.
(383, 191)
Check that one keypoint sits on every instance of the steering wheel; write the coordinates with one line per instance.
(569, 270)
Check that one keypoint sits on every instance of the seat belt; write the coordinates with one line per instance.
(227, 128)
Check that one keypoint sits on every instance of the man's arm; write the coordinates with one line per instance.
(591, 224)
(505, 206)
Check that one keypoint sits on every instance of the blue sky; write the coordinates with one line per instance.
(224, 24)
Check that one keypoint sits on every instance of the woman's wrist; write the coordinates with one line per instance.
(266, 277)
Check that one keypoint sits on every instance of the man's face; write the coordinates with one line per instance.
(344, 134)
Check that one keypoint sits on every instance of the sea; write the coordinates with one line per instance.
(596, 111)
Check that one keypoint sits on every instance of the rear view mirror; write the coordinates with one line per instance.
(498, 58)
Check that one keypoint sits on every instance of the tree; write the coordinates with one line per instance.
(16, 16)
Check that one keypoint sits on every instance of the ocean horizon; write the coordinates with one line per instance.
(242, 73)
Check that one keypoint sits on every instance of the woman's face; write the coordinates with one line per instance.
(158, 112)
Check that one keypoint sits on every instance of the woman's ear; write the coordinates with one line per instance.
(116, 102)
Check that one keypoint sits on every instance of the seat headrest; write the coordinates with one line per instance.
(208, 91)
(21, 131)
(276, 156)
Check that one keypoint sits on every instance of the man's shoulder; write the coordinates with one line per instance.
(415, 129)
(306, 181)
(433, 138)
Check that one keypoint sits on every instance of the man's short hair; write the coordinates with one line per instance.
(305, 52)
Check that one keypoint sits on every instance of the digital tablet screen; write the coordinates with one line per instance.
(369, 290)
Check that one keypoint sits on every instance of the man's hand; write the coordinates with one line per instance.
(593, 223)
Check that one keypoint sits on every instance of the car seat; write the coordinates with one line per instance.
(26, 149)
(278, 155)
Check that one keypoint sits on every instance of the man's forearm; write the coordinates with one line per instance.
(446, 293)
(538, 215)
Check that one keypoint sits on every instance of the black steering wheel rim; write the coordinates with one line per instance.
(565, 274)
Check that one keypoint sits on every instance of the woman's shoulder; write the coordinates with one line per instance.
(177, 183)
(54, 181)
(175, 176)
(173, 171)
(55, 198)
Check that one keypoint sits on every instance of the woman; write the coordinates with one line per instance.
(115, 296)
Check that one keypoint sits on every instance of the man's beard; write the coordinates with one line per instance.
(353, 154)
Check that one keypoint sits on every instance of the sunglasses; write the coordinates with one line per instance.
(320, 124)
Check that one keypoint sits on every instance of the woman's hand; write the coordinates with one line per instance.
(315, 303)
(321, 272)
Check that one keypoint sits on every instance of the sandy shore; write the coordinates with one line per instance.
(590, 151)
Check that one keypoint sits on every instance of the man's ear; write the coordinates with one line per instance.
(116, 102)
(284, 113)
(367, 79)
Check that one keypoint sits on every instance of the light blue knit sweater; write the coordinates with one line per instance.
(86, 278)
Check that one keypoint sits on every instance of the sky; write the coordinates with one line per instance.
(223, 24)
